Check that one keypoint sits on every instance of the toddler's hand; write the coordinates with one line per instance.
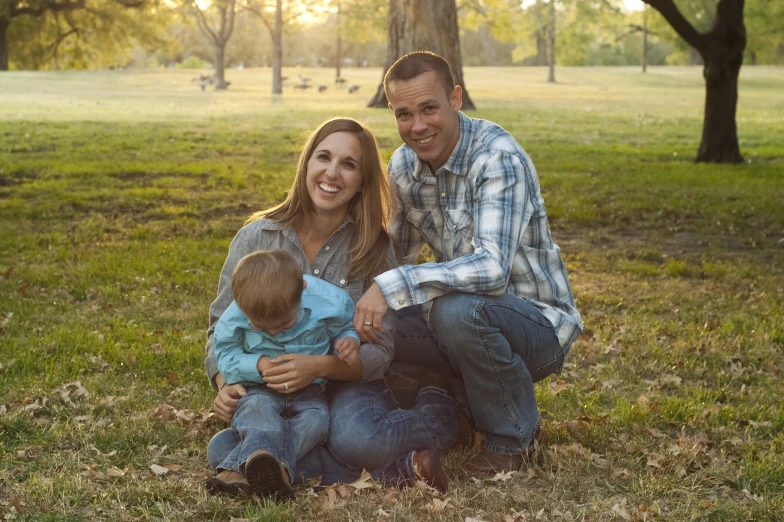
(347, 350)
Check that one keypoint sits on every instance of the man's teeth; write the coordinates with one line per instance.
(328, 188)
(425, 141)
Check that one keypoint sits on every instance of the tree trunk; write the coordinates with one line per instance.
(551, 59)
(3, 44)
(220, 78)
(722, 67)
(423, 26)
(487, 45)
(644, 38)
(277, 49)
(339, 52)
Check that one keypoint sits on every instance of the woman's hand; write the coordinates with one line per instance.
(292, 372)
(226, 401)
(369, 314)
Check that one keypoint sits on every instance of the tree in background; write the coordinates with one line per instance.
(721, 49)
(75, 33)
(275, 14)
(218, 34)
(423, 26)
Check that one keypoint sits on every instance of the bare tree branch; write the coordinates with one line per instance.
(683, 27)
(203, 24)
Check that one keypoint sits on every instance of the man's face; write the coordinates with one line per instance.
(427, 118)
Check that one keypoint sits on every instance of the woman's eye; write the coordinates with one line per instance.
(323, 156)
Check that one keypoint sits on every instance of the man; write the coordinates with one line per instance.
(501, 311)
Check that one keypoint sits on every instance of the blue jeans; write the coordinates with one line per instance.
(499, 345)
(288, 426)
(367, 431)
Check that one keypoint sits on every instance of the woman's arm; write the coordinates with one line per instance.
(243, 243)
(298, 370)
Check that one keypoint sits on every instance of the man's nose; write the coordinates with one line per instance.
(419, 123)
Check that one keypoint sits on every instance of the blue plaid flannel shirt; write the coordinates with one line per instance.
(483, 216)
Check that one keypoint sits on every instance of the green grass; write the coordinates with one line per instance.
(120, 193)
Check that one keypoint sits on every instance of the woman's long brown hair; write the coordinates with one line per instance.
(371, 207)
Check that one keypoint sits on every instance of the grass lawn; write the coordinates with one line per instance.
(120, 192)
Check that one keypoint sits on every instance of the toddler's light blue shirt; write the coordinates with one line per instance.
(325, 315)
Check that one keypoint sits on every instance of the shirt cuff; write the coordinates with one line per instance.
(394, 286)
(247, 371)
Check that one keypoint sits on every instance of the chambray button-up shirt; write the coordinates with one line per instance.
(483, 216)
(332, 263)
(325, 315)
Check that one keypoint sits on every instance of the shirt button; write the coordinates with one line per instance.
(342, 281)
(443, 194)
(316, 271)
(326, 247)
(402, 301)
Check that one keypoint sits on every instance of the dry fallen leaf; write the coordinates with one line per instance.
(344, 491)
(502, 477)
(620, 510)
(390, 497)
(364, 481)
(159, 470)
(114, 472)
(558, 386)
(438, 506)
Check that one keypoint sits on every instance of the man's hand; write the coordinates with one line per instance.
(226, 401)
(347, 350)
(369, 313)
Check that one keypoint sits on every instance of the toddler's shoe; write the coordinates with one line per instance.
(231, 483)
(267, 476)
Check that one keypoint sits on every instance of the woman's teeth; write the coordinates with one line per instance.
(328, 188)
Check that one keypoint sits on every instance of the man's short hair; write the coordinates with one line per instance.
(267, 285)
(413, 64)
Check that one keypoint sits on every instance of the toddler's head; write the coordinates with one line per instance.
(267, 287)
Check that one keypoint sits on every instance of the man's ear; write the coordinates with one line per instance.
(456, 100)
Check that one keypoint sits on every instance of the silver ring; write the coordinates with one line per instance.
(286, 385)
(367, 323)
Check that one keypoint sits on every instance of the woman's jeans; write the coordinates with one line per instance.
(367, 431)
(499, 345)
(288, 426)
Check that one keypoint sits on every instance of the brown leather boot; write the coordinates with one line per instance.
(229, 482)
(488, 462)
(427, 466)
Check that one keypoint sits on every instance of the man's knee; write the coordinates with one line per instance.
(451, 314)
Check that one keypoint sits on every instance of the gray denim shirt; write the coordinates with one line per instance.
(330, 264)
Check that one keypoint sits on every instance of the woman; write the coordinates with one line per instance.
(332, 221)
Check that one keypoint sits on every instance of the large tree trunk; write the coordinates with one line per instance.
(722, 68)
(3, 44)
(721, 49)
(220, 78)
(277, 49)
(423, 26)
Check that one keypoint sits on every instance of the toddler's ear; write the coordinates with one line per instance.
(304, 283)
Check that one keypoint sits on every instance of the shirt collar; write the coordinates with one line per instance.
(291, 234)
(458, 161)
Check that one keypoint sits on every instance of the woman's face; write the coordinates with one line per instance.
(333, 173)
